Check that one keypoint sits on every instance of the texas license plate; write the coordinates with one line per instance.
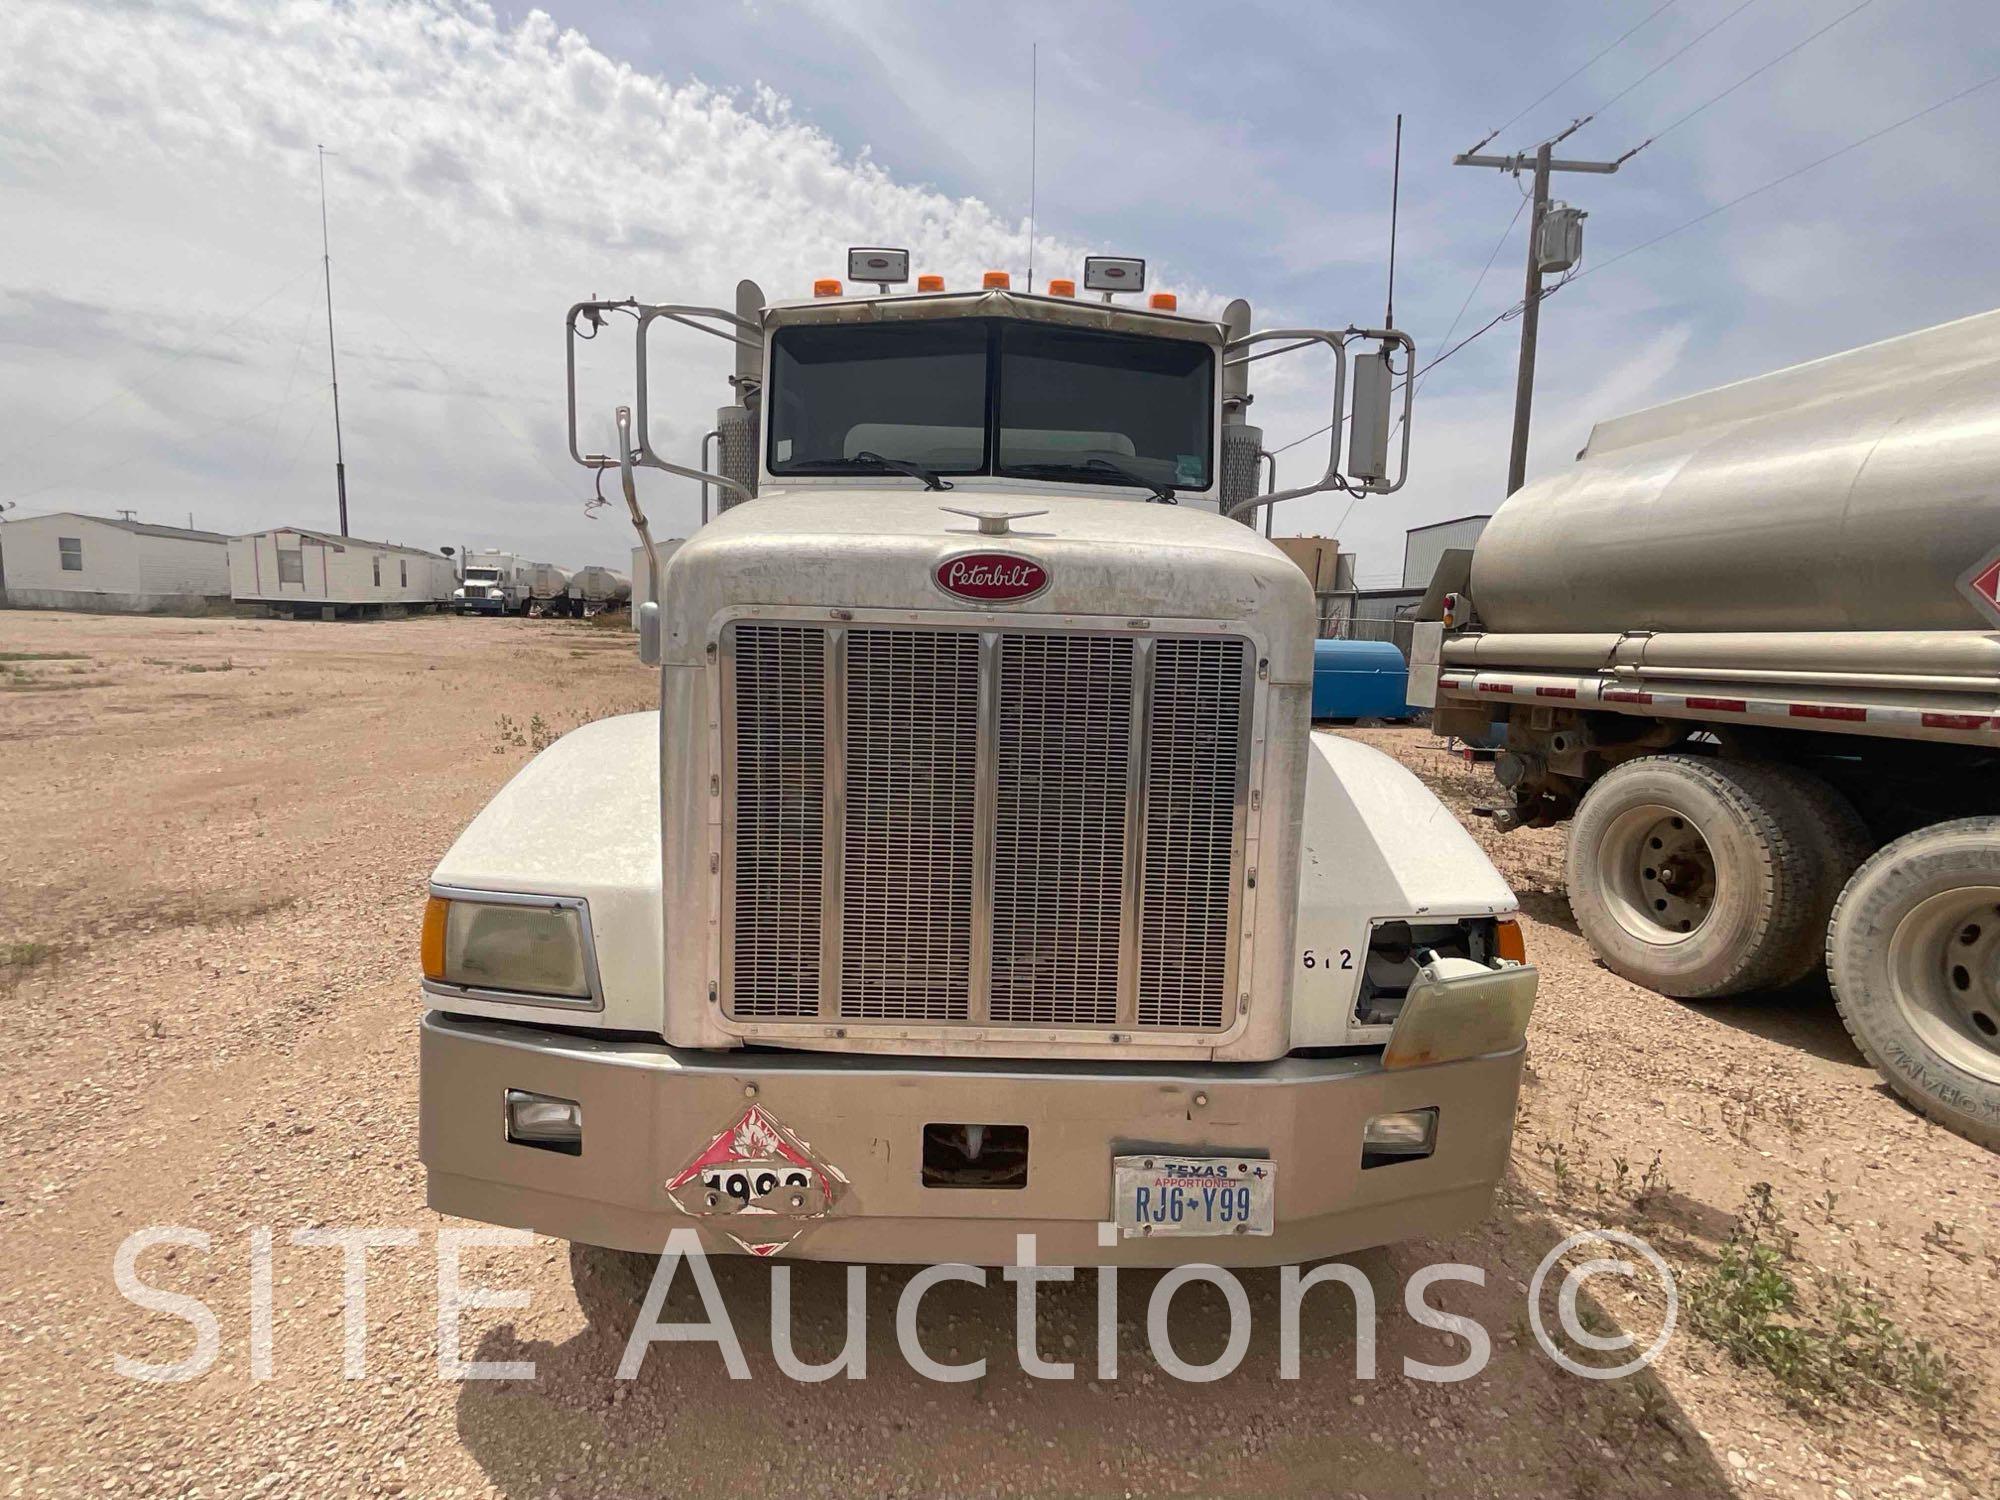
(1205, 1195)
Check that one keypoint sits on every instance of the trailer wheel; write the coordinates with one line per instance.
(1701, 877)
(1914, 954)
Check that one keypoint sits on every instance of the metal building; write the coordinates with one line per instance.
(299, 572)
(1424, 545)
(70, 561)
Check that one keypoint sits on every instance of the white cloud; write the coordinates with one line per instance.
(486, 178)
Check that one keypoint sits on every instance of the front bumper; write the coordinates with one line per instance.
(649, 1110)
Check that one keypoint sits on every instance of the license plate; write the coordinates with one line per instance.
(1193, 1195)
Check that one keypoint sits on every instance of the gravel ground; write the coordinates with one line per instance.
(216, 835)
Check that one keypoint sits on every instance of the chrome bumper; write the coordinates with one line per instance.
(650, 1110)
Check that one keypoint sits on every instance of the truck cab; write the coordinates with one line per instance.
(980, 873)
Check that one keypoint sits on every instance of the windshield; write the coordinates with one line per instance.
(993, 396)
(481, 575)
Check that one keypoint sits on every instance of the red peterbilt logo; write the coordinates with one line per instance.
(991, 577)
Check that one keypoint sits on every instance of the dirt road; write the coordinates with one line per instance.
(214, 836)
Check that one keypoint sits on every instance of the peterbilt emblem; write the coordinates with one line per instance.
(991, 577)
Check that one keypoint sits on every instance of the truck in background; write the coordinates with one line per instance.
(504, 583)
(493, 583)
(980, 873)
(1749, 648)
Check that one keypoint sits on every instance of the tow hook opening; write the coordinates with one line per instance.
(975, 1156)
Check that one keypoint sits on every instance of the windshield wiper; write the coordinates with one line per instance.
(871, 460)
(1162, 493)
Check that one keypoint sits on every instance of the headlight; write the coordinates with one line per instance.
(531, 946)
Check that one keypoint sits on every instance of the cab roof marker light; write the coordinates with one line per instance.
(1062, 287)
(1163, 302)
(826, 286)
(930, 283)
(996, 281)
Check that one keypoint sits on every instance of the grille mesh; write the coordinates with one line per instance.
(1193, 753)
(780, 760)
(1064, 748)
(1067, 941)
(912, 753)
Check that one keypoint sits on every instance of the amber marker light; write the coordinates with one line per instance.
(1163, 302)
(1509, 943)
(436, 910)
(930, 283)
(996, 281)
(1062, 288)
(826, 286)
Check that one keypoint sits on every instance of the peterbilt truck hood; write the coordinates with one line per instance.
(867, 548)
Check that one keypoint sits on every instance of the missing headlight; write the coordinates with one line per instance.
(1395, 952)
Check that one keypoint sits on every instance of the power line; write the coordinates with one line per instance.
(1506, 317)
(1459, 316)
(172, 359)
(1699, 37)
(222, 426)
(1873, 135)
(1746, 78)
(1568, 77)
(1581, 272)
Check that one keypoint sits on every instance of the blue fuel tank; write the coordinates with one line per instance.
(1359, 680)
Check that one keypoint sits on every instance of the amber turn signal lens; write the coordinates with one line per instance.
(1508, 942)
(435, 912)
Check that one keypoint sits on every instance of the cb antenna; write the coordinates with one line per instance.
(332, 359)
(1034, 110)
(1395, 195)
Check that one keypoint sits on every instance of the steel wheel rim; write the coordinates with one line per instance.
(1659, 874)
(1944, 971)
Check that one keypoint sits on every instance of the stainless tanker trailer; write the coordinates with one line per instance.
(1749, 646)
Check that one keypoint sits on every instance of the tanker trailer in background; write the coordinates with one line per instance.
(548, 587)
(1749, 648)
(593, 590)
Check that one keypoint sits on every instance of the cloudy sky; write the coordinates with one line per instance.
(162, 334)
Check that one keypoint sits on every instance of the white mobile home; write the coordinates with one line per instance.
(71, 561)
(299, 572)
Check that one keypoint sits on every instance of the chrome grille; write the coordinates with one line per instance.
(1189, 869)
(1064, 736)
(779, 745)
(1008, 827)
(912, 710)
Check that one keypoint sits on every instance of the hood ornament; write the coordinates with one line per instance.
(991, 522)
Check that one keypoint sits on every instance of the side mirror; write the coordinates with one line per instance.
(649, 633)
(1368, 434)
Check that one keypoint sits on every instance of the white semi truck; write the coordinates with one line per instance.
(980, 873)
(1749, 647)
(503, 583)
(493, 583)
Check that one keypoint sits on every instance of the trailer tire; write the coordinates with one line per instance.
(1913, 951)
(1701, 877)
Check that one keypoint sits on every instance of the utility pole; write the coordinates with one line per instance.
(1543, 163)
(332, 361)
